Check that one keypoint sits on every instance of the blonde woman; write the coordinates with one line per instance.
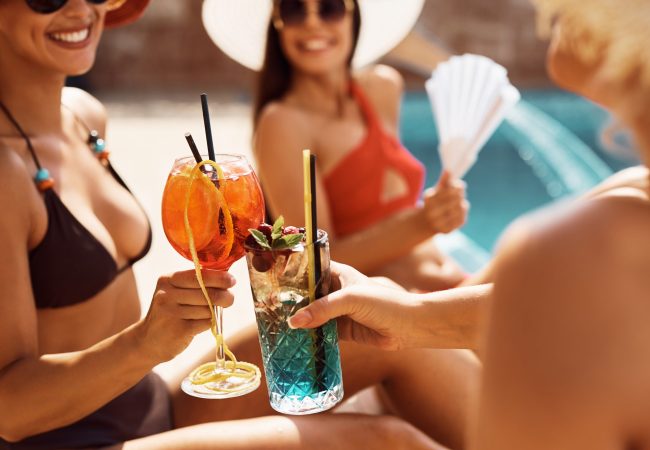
(566, 363)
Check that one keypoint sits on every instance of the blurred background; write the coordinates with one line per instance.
(168, 48)
(150, 75)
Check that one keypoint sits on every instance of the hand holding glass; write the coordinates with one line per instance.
(217, 203)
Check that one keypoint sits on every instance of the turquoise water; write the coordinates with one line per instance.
(546, 149)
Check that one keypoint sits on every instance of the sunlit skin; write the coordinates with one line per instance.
(32, 36)
(58, 365)
(585, 386)
(567, 310)
(318, 112)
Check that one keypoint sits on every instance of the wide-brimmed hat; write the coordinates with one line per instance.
(123, 12)
(239, 27)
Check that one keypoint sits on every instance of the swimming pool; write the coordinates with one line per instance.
(546, 149)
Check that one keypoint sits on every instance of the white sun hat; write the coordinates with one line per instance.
(239, 27)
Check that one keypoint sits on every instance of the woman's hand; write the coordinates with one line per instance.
(368, 312)
(179, 311)
(445, 206)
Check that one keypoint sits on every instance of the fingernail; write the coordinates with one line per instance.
(233, 280)
(300, 319)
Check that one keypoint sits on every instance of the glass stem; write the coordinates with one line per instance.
(220, 355)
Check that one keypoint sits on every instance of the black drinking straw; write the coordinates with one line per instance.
(319, 288)
(314, 228)
(206, 123)
(195, 150)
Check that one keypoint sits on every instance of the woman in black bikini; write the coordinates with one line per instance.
(75, 356)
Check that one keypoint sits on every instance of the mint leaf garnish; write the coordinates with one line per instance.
(260, 238)
(276, 232)
(287, 241)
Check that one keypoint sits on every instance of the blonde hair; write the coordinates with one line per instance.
(616, 32)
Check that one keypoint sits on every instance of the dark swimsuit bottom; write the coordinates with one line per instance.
(141, 411)
(70, 266)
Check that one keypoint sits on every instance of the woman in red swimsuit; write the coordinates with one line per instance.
(370, 186)
(76, 357)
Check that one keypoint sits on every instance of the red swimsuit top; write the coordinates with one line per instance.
(354, 187)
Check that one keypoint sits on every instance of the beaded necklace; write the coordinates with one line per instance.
(42, 178)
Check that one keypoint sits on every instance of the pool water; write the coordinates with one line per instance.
(546, 149)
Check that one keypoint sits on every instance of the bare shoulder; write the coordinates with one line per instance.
(87, 107)
(379, 78)
(594, 240)
(279, 114)
(282, 125)
(568, 321)
(624, 182)
(383, 86)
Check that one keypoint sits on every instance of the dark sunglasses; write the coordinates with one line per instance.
(294, 12)
(50, 6)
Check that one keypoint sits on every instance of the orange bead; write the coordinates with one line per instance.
(103, 155)
(44, 185)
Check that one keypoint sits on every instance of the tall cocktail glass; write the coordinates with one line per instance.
(302, 367)
(219, 202)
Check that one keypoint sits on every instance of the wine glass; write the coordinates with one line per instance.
(207, 209)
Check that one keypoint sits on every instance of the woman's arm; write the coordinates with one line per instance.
(392, 319)
(41, 392)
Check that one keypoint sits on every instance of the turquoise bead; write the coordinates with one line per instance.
(99, 145)
(42, 175)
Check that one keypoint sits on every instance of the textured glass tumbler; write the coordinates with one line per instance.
(302, 367)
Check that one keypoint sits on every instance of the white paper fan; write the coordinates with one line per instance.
(470, 96)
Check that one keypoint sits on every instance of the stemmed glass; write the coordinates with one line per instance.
(207, 210)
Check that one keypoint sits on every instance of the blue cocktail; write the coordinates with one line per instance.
(302, 367)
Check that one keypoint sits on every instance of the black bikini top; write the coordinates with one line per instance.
(70, 265)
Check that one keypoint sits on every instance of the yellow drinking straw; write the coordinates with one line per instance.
(309, 225)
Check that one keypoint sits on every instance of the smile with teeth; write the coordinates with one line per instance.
(72, 37)
(315, 44)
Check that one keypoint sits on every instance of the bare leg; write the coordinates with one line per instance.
(424, 269)
(331, 431)
(483, 276)
(432, 389)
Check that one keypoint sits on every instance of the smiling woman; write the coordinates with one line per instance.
(76, 356)
(370, 197)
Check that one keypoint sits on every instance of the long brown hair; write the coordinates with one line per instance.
(274, 78)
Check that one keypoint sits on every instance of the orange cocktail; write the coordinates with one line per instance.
(207, 210)
(218, 245)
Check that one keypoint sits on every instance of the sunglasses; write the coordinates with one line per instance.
(294, 12)
(51, 6)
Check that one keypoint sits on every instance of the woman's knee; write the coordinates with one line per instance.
(397, 434)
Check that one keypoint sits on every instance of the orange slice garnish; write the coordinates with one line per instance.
(202, 210)
(206, 373)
